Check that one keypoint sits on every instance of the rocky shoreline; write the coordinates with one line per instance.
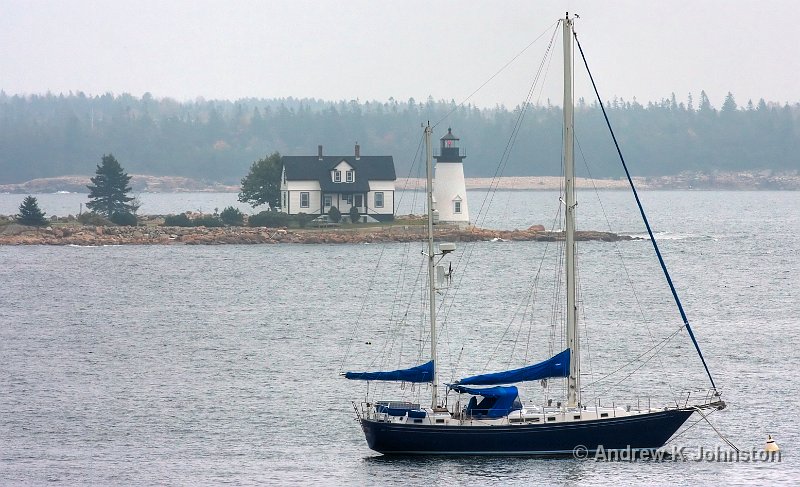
(87, 235)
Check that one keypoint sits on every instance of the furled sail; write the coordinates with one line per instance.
(556, 366)
(420, 373)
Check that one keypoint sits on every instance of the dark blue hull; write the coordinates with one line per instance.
(639, 432)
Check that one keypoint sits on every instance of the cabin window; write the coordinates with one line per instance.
(535, 420)
(337, 176)
(328, 201)
(577, 416)
(417, 420)
(350, 176)
(457, 207)
(603, 415)
(440, 421)
(304, 198)
(379, 199)
(551, 418)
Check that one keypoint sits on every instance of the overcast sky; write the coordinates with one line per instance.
(374, 50)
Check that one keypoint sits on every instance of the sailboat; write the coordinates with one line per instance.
(495, 421)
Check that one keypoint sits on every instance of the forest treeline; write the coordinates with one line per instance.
(217, 140)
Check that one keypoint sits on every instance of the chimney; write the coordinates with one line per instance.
(319, 152)
(358, 151)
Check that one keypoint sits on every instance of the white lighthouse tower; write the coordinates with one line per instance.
(449, 190)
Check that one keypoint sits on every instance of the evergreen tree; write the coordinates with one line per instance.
(30, 214)
(217, 140)
(354, 215)
(109, 189)
(730, 103)
(705, 104)
(334, 214)
(263, 183)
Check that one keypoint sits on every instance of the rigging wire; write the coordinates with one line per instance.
(646, 222)
(624, 267)
(506, 154)
(655, 349)
(500, 168)
(503, 68)
(375, 273)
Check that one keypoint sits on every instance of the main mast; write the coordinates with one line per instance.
(574, 379)
(431, 256)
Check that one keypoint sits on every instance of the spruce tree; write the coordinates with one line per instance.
(30, 214)
(109, 189)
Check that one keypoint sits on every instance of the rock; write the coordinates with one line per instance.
(13, 234)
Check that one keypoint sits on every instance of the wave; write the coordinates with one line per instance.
(670, 236)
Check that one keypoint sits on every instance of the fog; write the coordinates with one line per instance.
(370, 50)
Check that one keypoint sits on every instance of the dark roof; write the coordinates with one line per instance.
(449, 135)
(368, 168)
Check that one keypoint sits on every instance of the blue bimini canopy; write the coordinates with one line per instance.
(420, 373)
(497, 401)
(557, 366)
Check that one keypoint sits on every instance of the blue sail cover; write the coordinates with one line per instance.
(420, 373)
(557, 366)
(497, 401)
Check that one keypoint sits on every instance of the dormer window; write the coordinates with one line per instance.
(350, 176)
(337, 176)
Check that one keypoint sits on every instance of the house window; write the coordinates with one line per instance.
(379, 199)
(337, 176)
(457, 207)
(349, 199)
(350, 176)
(328, 201)
(304, 199)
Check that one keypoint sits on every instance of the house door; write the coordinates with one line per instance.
(359, 201)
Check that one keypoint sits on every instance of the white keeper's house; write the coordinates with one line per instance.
(313, 184)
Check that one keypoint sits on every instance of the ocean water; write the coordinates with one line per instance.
(220, 364)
